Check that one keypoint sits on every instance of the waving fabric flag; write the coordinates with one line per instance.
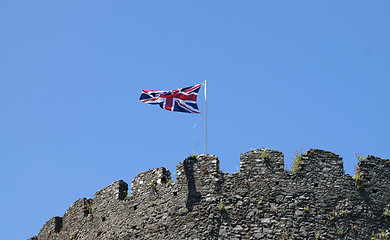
(179, 100)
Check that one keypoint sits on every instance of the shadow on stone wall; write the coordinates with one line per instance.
(193, 195)
(263, 201)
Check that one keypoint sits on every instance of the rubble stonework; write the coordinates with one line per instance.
(261, 201)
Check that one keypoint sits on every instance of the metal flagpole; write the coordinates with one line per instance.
(205, 117)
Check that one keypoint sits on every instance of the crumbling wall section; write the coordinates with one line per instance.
(261, 201)
(376, 184)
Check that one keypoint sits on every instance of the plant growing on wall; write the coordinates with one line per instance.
(167, 179)
(88, 204)
(359, 157)
(170, 182)
(342, 212)
(340, 229)
(386, 213)
(383, 235)
(152, 184)
(332, 215)
(221, 207)
(264, 155)
(296, 161)
(284, 235)
(359, 178)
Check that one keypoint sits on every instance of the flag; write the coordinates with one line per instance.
(179, 100)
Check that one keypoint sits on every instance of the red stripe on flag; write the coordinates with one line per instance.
(189, 109)
(193, 88)
(190, 97)
(169, 104)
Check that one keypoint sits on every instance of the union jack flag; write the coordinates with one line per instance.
(179, 100)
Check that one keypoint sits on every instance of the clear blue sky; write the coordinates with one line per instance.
(281, 75)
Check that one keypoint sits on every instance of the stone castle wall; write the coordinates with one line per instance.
(261, 201)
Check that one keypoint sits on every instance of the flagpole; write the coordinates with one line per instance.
(205, 117)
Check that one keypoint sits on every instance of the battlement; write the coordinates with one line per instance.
(117, 190)
(376, 181)
(150, 179)
(262, 201)
(321, 163)
(262, 161)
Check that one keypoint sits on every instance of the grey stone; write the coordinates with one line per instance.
(258, 236)
(189, 208)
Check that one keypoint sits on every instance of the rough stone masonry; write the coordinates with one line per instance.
(261, 201)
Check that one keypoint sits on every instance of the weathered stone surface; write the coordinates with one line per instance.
(262, 201)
